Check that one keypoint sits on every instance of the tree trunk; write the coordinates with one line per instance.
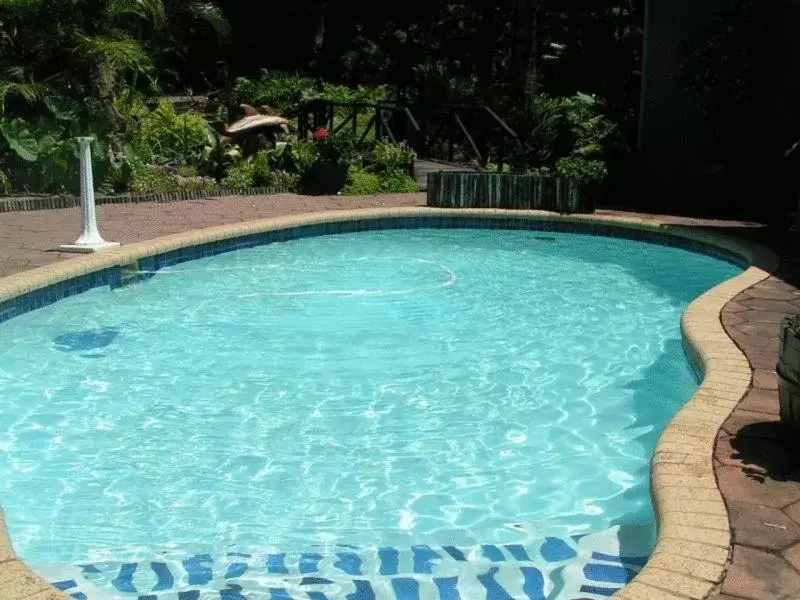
(485, 66)
(319, 37)
(526, 25)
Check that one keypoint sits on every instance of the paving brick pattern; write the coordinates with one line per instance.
(757, 460)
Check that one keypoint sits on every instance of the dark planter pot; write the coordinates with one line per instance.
(324, 178)
(789, 375)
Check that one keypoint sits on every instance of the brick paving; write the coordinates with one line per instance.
(757, 461)
(29, 239)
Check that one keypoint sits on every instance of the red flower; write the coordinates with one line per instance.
(321, 134)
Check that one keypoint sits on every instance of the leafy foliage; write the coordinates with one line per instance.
(281, 91)
(571, 136)
(151, 179)
(303, 155)
(387, 172)
(388, 157)
(165, 137)
(361, 182)
(239, 177)
(82, 70)
(89, 65)
(397, 182)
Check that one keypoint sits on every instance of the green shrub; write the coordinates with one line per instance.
(165, 137)
(218, 158)
(389, 157)
(495, 168)
(39, 155)
(275, 89)
(150, 179)
(364, 182)
(340, 149)
(387, 172)
(343, 93)
(260, 169)
(303, 155)
(269, 168)
(239, 177)
(282, 90)
(284, 180)
(582, 169)
(593, 133)
(187, 170)
(572, 132)
(398, 182)
(361, 182)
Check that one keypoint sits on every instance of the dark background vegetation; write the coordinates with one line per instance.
(72, 66)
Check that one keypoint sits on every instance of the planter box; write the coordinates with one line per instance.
(324, 178)
(789, 375)
(468, 189)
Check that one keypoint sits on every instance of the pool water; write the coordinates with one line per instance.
(343, 394)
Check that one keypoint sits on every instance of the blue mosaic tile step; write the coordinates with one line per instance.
(590, 567)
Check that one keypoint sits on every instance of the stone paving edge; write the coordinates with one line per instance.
(693, 548)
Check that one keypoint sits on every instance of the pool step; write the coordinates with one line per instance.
(585, 567)
(507, 582)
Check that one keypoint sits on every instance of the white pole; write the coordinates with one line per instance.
(90, 239)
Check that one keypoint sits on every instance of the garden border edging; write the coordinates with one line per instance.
(12, 204)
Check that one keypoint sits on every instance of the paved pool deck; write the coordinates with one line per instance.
(756, 461)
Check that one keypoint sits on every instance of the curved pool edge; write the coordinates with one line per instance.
(694, 540)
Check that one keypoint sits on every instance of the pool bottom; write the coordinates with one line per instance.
(582, 567)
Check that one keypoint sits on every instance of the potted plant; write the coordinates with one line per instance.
(328, 174)
(789, 371)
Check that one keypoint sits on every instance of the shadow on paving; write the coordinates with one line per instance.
(767, 450)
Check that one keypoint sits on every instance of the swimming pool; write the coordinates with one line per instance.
(397, 408)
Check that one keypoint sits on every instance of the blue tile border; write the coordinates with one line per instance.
(113, 276)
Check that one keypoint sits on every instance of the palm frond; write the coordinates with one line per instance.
(152, 11)
(121, 52)
(28, 91)
(208, 13)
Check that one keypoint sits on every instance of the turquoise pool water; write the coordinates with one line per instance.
(388, 389)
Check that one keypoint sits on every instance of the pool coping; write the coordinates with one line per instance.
(694, 539)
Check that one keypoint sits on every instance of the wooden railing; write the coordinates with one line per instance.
(314, 114)
(459, 134)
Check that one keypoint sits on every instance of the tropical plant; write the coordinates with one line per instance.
(187, 24)
(166, 137)
(218, 157)
(361, 182)
(387, 171)
(570, 136)
(281, 91)
(389, 157)
(338, 149)
(239, 177)
(303, 155)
